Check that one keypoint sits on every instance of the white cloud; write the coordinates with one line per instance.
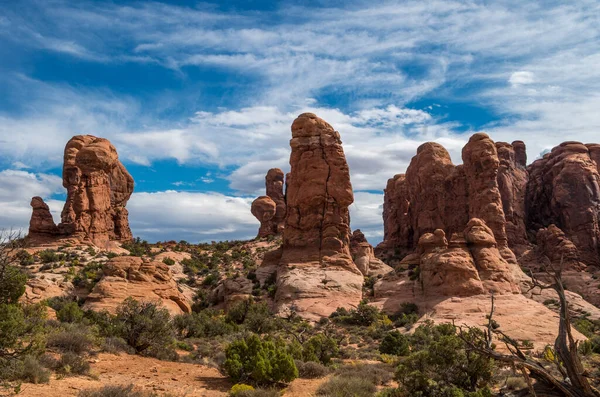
(16, 190)
(521, 78)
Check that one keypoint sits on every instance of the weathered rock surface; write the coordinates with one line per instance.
(564, 190)
(554, 245)
(270, 210)
(435, 194)
(364, 258)
(316, 273)
(98, 188)
(41, 225)
(141, 279)
(512, 183)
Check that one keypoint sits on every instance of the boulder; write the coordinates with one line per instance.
(141, 279)
(264, 209)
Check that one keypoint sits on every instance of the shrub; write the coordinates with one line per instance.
(72, 364)
(74, 339)
(377, 374)
(200, 325)
(144, 325)
(311, 370)
(394, 343)
(344, 387)
(363, 315)
(12, 284)
(28, 369)
(114, 391)
(258, 361)
(115, 345)
(25, 258)
(168, 261)
(21, 329)
(240, 388)
(320, 348)
(70, 313)
(48, 256)
(440, 364)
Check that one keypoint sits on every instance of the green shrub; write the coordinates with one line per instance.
(72, 364)
(115, 391)
(25, 369)
(240, 388)
(320, 348)
(21, 329)
(311, 369)
(363, 315)
(48, 256)
(377, 374)
(345, 387)
(12, 284)
(200, 325)
(394, 343)
(72, 339)
(25, 258)
(115, 345)
(137, 247)
(168, 261)
(144, 325)
(259, 362)
(440, 364)
(70, 313)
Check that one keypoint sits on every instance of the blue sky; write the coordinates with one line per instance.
(198, 97)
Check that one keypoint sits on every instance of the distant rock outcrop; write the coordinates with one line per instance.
(364, 256)
(316, 273)
(564, 190)
(98, 188)
(270, 210)
(141, 279)
(41, 225)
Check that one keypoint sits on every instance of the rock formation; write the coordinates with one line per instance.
(554, 246)
(98, 188)
(470, 264)
(316, 273)
(435, 194)
(564, 190)
(512, 183)
(364, 258)
(270, 210)
(41, 225)
(141, 279)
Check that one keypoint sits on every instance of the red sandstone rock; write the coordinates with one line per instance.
(316, 273)
(520, 153)
(41, 225)
(512, 182)
(364, 258)
(98, 188)
(270, 210)
(564, 190)
(141, 279)
(554, 245)
(264, 209)
(398, 234)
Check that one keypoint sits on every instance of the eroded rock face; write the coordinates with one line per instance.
(98, 188)
(141, 279)
(270, 210)
(435, 194)
(512, 183)
(364, 258)
(554, 245)
(264, 208)
(316, 273)
(470, 264)
(41, 225)
(564, 190)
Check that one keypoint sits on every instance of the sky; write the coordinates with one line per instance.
(198, 97)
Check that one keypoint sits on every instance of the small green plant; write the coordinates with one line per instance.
(394, 343)
(259, 361)
(168, 261)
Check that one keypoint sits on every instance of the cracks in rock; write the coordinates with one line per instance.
(326, 197)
